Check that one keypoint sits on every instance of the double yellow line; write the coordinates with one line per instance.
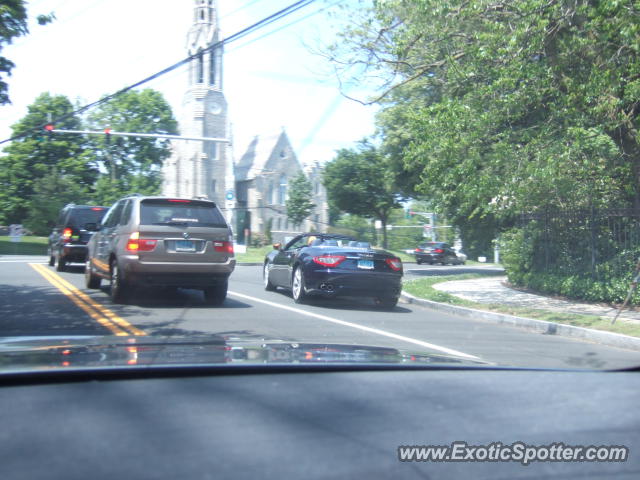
(102, 315)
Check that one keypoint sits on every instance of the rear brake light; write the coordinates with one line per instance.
(66, 233)
(136, 244)
(178, 200)
(438, 250)
(394, 263)
(223, 247)
(417, 249)
(97, 209)
(329, 260)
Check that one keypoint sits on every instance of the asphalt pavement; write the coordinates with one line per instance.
(37, 300)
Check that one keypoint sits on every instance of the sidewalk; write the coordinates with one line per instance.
(493, 290)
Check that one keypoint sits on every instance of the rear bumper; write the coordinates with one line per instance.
(186, 275)
(428, 257)
(353, 284)
(73, 253)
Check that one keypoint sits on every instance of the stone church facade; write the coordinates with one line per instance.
(251, 191)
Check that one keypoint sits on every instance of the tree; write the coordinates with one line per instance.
(35, 156)
(135, 161)
(357, 182)
(492, 108)
(13, 24)
(299, 204)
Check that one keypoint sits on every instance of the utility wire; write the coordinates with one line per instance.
(236, 36)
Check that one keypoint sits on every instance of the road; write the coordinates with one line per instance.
(36, 300)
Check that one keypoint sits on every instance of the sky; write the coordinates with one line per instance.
(272, 79)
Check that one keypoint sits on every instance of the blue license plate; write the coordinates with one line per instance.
(366, 264)
(185, 246)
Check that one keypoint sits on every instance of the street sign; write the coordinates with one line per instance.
(16, 232)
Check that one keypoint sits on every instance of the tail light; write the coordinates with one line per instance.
(329, 260)
(418, 250)
(394, 263)
(66, 234)
(223, 247)
(439, 250)
(136, 244)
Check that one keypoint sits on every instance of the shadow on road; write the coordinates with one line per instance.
(29, 310)
(342, 303)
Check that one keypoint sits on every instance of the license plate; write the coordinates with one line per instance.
(366, 264)
(185, 246)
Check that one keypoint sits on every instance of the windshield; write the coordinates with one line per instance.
(388, 136)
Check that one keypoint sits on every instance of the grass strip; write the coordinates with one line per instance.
(423, 288)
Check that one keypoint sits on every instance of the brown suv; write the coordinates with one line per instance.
(162, 241)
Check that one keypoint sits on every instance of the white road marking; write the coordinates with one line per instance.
(358, 326)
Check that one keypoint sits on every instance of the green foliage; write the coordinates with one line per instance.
(357, 227)
(137, 161)
(491, 108)
(299, 204)
(50, 194)
(34, 157)
(356, 183)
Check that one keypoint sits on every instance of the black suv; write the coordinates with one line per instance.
(74, 228)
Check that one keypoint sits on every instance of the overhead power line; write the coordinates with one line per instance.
(236, 36)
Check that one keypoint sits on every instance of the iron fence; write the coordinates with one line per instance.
(591, 242)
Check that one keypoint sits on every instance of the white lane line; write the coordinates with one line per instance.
(358, 326)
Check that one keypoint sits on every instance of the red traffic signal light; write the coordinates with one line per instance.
(49, 127)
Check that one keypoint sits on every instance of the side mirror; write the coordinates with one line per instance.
(277, 246)
(91, 227)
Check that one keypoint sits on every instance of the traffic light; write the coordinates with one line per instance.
(107, 133)
(49, 127)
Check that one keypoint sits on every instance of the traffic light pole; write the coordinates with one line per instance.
(109, 132)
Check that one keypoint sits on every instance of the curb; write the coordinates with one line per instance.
(538, 326)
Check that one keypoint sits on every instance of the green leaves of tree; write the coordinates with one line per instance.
(299, 204)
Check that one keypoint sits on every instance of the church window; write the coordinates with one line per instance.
(201, 14)
(282, 191)
(212, 68)
(200, 67)
(213, 186)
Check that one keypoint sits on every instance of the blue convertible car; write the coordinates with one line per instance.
(331, 266)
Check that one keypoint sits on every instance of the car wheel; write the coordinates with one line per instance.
(298, 286)
(119, 286)
(61, 265)
(418, 261)
(386, 302)
(91, 280)
(268, 286)
(216, 295)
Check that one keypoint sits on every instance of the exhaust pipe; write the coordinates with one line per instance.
(327, 287)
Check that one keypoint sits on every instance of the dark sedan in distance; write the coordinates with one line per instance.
(437, 252)
(332, 266)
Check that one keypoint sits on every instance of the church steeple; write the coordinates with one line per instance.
(206, 68)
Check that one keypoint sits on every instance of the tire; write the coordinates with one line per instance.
(61, 266)
(418, 261)
(90, 280)
(268, 286)
(387, 303)
(217, 294)
(298, 286)
(119, 286)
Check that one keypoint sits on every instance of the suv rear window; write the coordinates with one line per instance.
(79, 217)
(195, 213)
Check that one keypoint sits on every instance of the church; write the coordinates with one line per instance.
(252, 189)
